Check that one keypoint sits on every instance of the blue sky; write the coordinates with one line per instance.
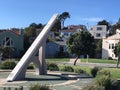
(21, 13)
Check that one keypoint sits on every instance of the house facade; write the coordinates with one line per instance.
(51, 49)
(65, 33)
(98, 31)
(58, 48)
(12, 38)
(108, 45)
(55, 49)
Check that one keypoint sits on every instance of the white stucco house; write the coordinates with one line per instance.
(108, 45)
(65, 33)
(98, 31)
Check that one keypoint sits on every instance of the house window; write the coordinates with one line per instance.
(99, 28)
(61, 49)
(66, 34)
(98, 34)
(111, 46)
(91, 28)
(7, 41)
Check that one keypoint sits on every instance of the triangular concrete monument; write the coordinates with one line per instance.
(19, 71)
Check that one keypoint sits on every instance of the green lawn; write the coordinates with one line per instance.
(115, 72)
(82, 60)
(57, 59)
(99, 61)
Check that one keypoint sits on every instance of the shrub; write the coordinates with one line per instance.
(21, 88)
(52, 67)
(103, 72)
(31, 66)
(79, 71)
(7, 88)
(94, 71)
(103, 81)
(8, 64)
(103, 78)
(93, 87)
(16, 88)
(114, 85)
(39, 87)
(67, 68)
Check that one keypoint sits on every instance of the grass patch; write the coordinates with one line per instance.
(57, 59)
(99, 61)
(115, 72)
(85, 68)
(91, 60)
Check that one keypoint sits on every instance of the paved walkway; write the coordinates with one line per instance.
(58, 80)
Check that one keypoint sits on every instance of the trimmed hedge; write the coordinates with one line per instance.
(79, 71)
(52, 67)
(67, 68)
(31, 66)
(95, 70)
(40, 87)
(103, 81)
(7, 64)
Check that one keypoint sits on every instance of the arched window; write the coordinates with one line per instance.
(7, 41)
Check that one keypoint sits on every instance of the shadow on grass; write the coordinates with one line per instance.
(62, 77)
(48, 77)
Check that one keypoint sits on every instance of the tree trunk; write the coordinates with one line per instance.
(118, 61)
(76, 60)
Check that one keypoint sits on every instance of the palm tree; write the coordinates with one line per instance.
(63, 17)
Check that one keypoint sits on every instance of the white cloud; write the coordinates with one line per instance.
(93, 19)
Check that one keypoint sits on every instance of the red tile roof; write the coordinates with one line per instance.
(68, 30)
(15, 31)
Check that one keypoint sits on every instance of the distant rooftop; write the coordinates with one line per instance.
(13, 30)
(74, 28)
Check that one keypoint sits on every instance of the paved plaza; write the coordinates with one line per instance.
(57, 80)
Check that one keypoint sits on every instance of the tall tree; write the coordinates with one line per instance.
(98, 49)
(6, 52)
(30, 33)
(56, 28)
(117, 52)
(60, 22)
(31, 30)
(114, 27)
(63, 17)
(80, 43)
(104, 22)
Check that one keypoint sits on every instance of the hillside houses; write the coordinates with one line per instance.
(98, 31)
(108, 42)
(14, 39)
(108, 45)
(70, 30)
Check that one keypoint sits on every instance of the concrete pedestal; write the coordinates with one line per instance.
(43, 70)
(41, 64)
